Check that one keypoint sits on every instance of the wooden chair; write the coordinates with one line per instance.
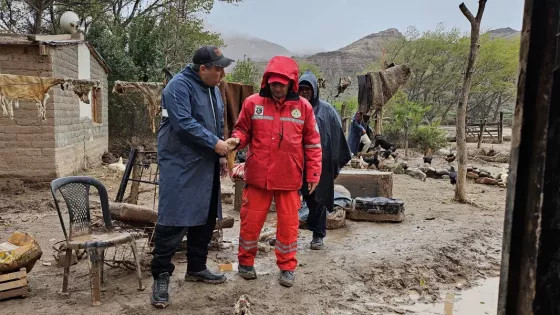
(79, 235)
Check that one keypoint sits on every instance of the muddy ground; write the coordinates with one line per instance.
(367, 268)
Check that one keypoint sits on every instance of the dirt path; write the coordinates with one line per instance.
(367, 268)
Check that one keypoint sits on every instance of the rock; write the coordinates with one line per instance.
(484, 174)
(336, 219)
(487, 181)
(227, 197)
(472, 175)
(264, 248)
(443, 152)
(416, 173)
(442, 172)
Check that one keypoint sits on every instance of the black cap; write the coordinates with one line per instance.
(212, 55)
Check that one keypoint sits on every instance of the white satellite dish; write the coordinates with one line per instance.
(69, 22)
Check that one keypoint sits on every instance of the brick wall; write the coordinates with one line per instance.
(27, 143)
(79, 143)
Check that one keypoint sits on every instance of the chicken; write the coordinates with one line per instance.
(428, 156)
(452, 175)
(386, 154)
(372, 160)
(450, 157)
(119, 166)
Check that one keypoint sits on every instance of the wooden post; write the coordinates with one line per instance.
(481, 134)
(460, 187)
(406, 138)
(501, 128)
(238, 195)
(136, 174)
(343, 115)
(379, 123)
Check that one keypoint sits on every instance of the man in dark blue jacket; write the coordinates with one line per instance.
(359, 133)
(336, 154)
(191, 152)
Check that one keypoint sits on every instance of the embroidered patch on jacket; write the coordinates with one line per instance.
(296, 113)
(259, 110)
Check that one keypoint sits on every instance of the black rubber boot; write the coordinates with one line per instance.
(286, 278)
(317, 243)
(247, 272)
(160, 291)
(205, 276)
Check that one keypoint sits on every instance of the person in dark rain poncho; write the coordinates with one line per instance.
(336, 154)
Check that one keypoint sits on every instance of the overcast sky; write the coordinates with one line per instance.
(332, 24)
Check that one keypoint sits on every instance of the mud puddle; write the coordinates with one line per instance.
(482, 299)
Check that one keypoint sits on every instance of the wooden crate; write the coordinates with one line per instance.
(13, 284)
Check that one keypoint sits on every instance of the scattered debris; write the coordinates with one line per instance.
(242, 306)
(379, 209)
(416, 173)
(20, 251)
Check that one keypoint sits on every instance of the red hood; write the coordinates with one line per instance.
(285, 66)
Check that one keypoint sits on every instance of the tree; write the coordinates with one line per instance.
(41, 16)
(437, 61)
(460, 189)
(304, 66)
(246, 72)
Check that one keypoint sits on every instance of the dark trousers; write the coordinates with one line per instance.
(168, 238)
(317, 218)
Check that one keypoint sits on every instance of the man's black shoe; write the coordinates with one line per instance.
(160, 291)
(205, 276)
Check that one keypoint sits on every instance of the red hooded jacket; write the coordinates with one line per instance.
(281, 137)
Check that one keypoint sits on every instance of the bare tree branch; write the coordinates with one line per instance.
(467, 13)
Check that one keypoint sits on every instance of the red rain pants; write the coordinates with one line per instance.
(254, 209)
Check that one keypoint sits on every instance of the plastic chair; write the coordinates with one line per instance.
(79, 235)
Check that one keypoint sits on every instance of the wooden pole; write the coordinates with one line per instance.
(379, 123)
(460, 187)
(501, 128)
(481, 134)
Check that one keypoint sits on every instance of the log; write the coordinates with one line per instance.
(227, 223)
(366, 183)
(127, 212)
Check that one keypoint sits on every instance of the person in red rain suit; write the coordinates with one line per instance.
(279, 127)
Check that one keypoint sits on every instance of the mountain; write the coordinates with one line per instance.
(239, 45)
(351, 59)
(507, 32)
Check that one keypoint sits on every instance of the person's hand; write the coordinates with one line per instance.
(311, 187)
(221, 147)
(224, 170)
(232, 143)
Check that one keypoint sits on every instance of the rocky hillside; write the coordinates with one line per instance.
(353, 58)
(254, 48)
(507, 32)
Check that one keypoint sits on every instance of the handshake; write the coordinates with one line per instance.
(225, 147)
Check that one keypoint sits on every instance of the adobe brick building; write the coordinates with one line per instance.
(75, 134)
